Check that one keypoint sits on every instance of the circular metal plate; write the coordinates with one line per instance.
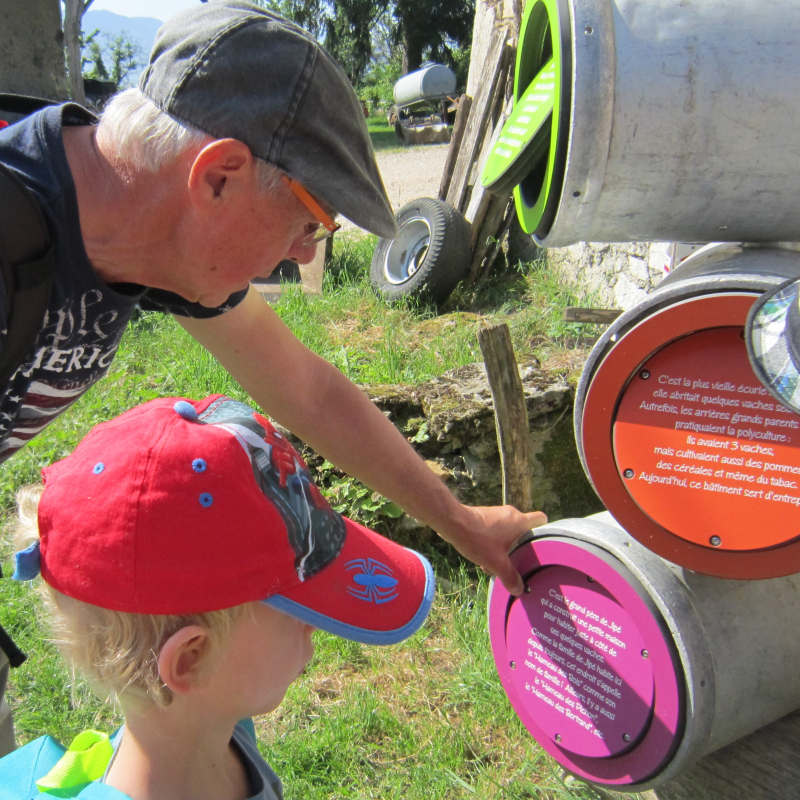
(545, 38)
(609, 382)
(705, 451)
(586, 662)
(578, 661)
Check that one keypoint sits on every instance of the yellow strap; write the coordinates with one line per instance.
(85, 761)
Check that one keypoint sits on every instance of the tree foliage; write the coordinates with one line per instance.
(113, 59)
(367, 36)
(432, 30)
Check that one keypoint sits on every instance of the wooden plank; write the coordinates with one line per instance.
(602, 316)
(497, 245)
(486, 235)
(312, 272)
(479, 117)
(510, 414)
(477, 200)
(464, 105)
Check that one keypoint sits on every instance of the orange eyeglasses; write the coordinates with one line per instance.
(326, 227)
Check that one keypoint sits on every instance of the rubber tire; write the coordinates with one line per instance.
(445, 263)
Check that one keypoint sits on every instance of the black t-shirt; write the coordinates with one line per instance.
(86, 318)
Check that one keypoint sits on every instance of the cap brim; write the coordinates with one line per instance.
(376, 592)
(768, 347)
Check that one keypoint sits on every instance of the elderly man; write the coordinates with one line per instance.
(242, 141)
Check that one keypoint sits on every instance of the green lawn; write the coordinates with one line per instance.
(424, 719)
(382, 134)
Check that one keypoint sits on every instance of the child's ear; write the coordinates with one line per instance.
(180, 656)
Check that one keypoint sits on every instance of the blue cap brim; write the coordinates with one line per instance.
(333, 624)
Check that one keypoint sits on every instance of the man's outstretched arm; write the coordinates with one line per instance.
(310, 397)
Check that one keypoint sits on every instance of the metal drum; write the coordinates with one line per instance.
(672, 120)
(432, 82)
(626, 668)
(681, 441)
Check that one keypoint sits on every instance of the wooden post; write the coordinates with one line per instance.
(497, 62)
(462, 115)
(510, 414)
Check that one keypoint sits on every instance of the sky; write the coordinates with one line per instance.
(158, 9)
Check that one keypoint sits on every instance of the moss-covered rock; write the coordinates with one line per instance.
(450, 422)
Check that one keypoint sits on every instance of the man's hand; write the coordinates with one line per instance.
(311, 398)
(487, 534)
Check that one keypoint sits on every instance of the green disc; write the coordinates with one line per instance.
(544, 57)
(525, 138)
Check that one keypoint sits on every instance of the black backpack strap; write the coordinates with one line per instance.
(28, 261)
(23, 104)
(15, 656)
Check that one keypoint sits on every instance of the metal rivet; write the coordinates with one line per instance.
(613, 337)
(588, 30)
(558, 737)
(527, 590)
(723, 227)
(628, 473)
(645, 654)
(513, 665)
(644, 374)
(590, 579)
(715, 541)
(625, 737)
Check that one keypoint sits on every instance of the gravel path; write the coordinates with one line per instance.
(409, 173)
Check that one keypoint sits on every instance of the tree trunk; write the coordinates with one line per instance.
(412, 53)
(73, 16)
(33, 51)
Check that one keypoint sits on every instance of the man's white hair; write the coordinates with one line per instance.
(146, 138)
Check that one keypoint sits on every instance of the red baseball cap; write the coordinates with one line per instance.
(183, 507)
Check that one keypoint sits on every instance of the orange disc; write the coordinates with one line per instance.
(705, 450)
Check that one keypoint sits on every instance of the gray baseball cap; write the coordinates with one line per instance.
(238, 71)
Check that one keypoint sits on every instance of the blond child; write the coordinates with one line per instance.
(187, 558)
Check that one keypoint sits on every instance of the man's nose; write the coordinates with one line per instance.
(301, 253)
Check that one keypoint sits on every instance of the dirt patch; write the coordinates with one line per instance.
(408, 174)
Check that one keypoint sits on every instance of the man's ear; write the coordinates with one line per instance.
(218, 169)
(180, 657)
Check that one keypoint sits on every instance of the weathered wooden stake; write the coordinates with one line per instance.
(462, 115)
(510, 414)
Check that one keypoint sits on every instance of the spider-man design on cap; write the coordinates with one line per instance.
(316, 532)
(182, 507)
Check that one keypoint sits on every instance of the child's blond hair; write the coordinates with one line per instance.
(116, 651)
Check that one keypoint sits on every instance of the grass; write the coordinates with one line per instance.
(424, 719)
(382, 134)
(384, 139)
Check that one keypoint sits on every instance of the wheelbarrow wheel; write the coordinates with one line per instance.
(429, 256)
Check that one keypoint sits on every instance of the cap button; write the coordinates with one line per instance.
(186, 410)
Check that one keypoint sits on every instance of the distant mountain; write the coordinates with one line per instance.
(142, 30)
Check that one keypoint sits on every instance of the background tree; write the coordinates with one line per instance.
(432, 30)
(113, 59)
(73, 17)
(366, 36)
